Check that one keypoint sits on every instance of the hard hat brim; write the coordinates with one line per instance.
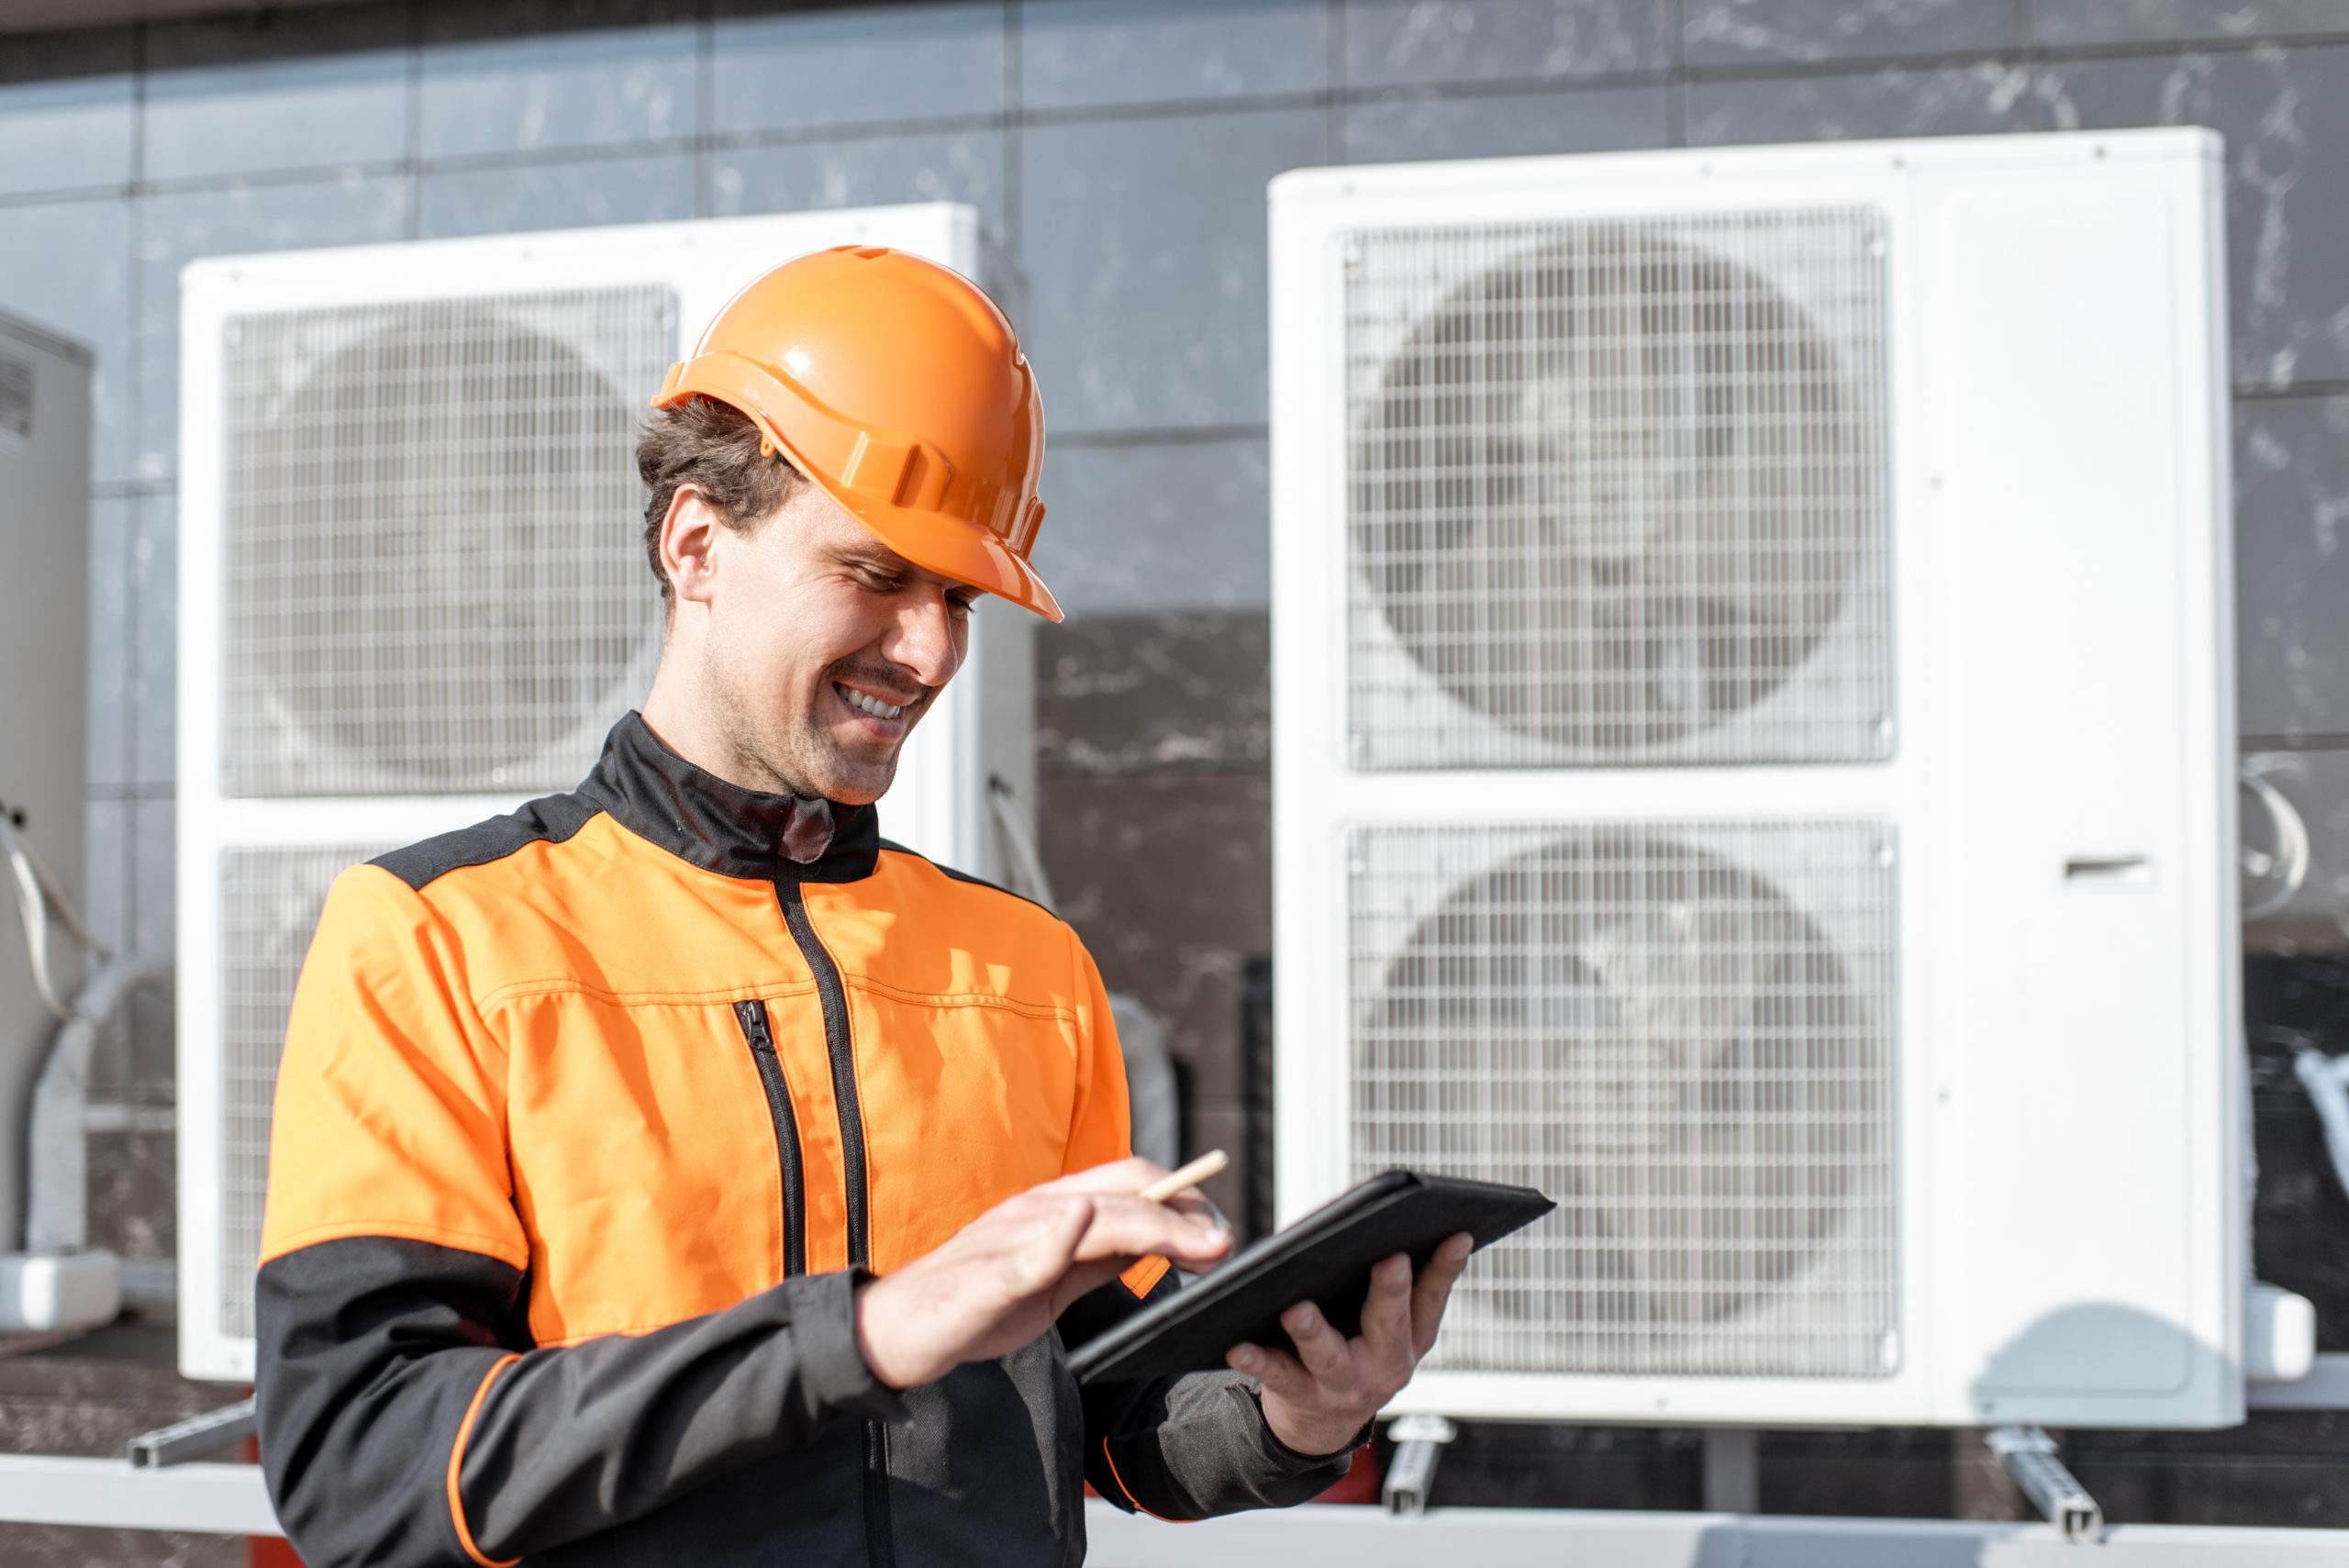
(948, 546)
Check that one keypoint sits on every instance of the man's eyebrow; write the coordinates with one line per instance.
(874, 557)
(882, 559)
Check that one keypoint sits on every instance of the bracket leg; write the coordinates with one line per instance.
(1732, 1469)
(1419, 1446)
(2029, 1456)
(191, 1439)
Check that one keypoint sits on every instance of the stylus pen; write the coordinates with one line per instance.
(1190, 1175)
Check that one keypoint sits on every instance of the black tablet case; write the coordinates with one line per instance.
(1324, 1258)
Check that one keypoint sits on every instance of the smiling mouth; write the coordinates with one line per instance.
(869, 704)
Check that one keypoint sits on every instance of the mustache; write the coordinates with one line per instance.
(883, 679)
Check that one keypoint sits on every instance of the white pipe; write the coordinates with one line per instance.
(58, 1215)
(39, 898)
(2326, 1078)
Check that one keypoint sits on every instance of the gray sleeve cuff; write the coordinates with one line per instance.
(823, 1322)
(1343, 1458)
(1217, 1447)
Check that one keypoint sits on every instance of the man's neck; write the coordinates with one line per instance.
(684, 717)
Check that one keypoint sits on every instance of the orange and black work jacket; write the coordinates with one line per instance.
(589, 1119)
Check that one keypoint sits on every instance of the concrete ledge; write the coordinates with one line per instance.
(228, 1499)
(1524, 1538)
(217, 1499)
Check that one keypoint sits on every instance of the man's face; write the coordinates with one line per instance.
(822, 648)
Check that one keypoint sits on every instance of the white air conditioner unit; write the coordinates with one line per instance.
(413, 596)
(1753, 674)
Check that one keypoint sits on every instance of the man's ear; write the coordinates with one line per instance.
(688, 541)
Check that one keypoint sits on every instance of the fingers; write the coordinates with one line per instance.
(1126, 1226)
(1117, 1176)
(1042, 1250)
(1280, 1372)
(1123, 1179)
(1321, 1349)
(1433, 1289)
(1386, 1316)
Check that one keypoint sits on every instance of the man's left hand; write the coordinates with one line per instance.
(1316, 1400)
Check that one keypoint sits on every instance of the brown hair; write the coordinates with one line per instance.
(713, 445)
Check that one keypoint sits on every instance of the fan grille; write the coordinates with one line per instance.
(433, 578)
(1683, 1033)
(1617, 487)
(269, 900)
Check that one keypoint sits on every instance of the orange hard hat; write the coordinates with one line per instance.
(898, 387)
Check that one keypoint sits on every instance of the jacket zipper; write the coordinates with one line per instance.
(844, 1055)
(880, 1538)
(760, 1034)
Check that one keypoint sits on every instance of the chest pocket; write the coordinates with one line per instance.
(967, 1104)
(645, 1165)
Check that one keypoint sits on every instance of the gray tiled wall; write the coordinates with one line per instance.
(1116, 150)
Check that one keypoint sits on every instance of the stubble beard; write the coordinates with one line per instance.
(790, 753)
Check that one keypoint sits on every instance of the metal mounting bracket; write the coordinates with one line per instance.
(1419, 1445)
(2029, 1454)
(184, 1441)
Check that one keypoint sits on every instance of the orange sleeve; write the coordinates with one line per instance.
(390, 1112)
(1099, 1128)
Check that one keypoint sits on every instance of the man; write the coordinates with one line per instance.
(675, 1172)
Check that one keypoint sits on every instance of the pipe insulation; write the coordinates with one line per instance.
(58, 1220)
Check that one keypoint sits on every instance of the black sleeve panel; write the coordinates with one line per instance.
(370, 1350)
(1098, 1311)
(1186, 1448)
(574, 1441)
(373, 1349)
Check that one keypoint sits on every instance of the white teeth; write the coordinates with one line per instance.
(871, 704)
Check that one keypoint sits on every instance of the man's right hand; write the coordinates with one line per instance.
(1005, 1277)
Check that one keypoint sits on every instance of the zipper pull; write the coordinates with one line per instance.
(752, 1016)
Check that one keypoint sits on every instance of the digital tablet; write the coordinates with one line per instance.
(1324, 1258)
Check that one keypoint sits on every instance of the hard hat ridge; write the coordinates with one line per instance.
(898, 386)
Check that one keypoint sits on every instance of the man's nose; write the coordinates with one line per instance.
(924, 642)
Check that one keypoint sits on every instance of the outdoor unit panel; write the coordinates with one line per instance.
(270, 898)
(1618, 486)
(1681, 1031)
(433, 576)
(1753, 684)
(414, 595)
(44, 642)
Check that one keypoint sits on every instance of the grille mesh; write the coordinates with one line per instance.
(1617, 492)
(269, 900)
(433, 579)
(1682, 1033)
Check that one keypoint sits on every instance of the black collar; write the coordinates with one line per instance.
(698, 817)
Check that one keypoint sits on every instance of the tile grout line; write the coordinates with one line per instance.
(1334, 67)
(1675, 111)
(1014, 179)
(413, 139)
(2027, 30)
(705, 105)
(1161, 435)
(126, 935)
